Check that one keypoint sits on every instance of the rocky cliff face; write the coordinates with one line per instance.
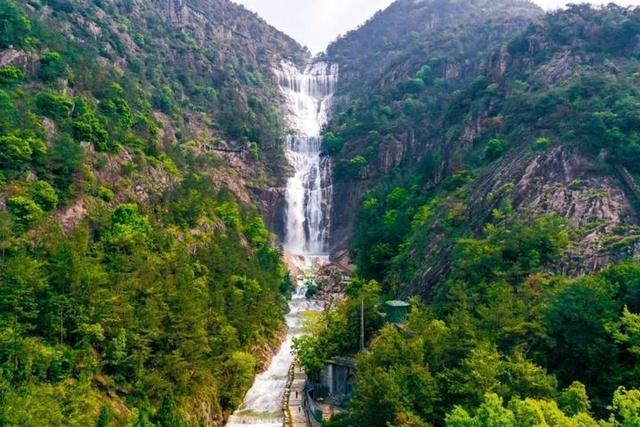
(216, 59)
(456, 38)
(397, 41)
(429, 112)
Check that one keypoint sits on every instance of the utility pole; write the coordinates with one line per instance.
(362, 323)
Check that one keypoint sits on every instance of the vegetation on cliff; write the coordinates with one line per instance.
(545, 120)
(138, 283)
(494, 179)
(504, 342)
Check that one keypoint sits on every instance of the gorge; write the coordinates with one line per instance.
(164, 164)
(308, 97)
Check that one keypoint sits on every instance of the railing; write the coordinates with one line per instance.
(314, 413)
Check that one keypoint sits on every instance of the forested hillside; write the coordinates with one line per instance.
(138, 283)
(542, 120)
(491, 162)
(486, 168)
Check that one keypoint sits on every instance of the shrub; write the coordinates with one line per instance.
(15, 27)
(105, 194)
(44, 195)
(495, 149)
(89, 128)
(57, 107)
(128, 228)
(415, 85)
(356, 165)
(229, 213)
(14, 151)
(541, 143)
(11, 75)
(52, 67)
(38, 150)
(425, 73)
(332, 143)
(25, 212)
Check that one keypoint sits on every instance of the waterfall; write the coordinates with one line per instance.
(308, 97)
(309, 191)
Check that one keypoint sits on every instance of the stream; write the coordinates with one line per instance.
(308, 96)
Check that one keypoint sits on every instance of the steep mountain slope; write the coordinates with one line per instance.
(396, 41)
(538, 121)
(496, 179)
(448, 41)
(138, 282)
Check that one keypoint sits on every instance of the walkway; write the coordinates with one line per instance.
(295, 404)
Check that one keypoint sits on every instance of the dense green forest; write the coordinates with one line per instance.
(450, 182)
(504, 343)
(486, 161)
(135, 288)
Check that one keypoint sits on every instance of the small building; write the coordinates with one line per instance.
(396, 311)
(338, 378)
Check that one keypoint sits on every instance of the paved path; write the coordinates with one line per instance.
(296, 398)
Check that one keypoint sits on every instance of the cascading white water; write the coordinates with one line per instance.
(309, 192)
(263, 402)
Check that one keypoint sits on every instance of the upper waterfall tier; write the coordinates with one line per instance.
(309, 194)
(308, 95)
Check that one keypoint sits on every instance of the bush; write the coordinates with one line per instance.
(106, 194)
(332, 143)
(425, 73)
(57, 107)
(38, 149)
(129, 229)
(356, 165)
(11, 75)
(415, 85)
(495, 149)
(44, 195)
(52, 67)
(25, 212)
(541, 143)
(89, 128)
(14, 151)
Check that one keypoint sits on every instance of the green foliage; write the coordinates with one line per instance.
(168, 303)
(129, 229)
(25, 212)
(541, 143)
(338, 331)
(332, 143)
(574, 400)
(230, 214)
(15, 26)
(57, 107)
(527, 412)
(10, 75)
(425, 73)
(415, 85)
(167, 415)
(15, 152)
(52, 67)
(106, 194)
(626, 404)
(89, 128)
(354, 167)
(495, 149)
(498, 301)
(44, 195)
